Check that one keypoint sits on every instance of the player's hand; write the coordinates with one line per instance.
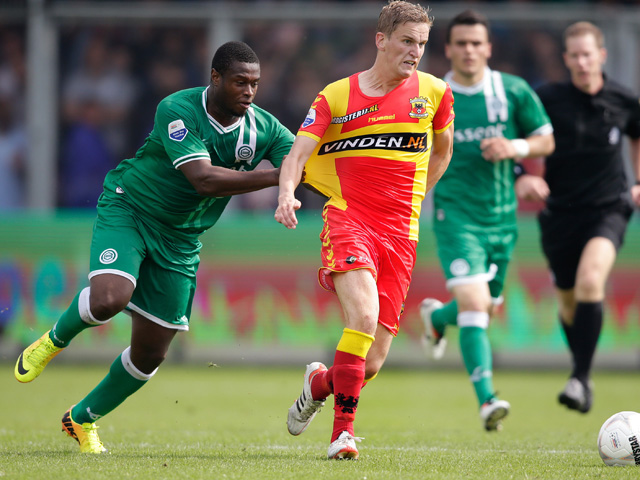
(496, 149)
(532, 188)
(286, 211)
(635, 195)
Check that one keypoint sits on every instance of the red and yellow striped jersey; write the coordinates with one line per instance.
(373, 152)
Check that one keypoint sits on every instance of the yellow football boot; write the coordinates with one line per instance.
(34, 358)
(86, 434)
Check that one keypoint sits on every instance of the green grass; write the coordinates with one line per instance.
(229, 423)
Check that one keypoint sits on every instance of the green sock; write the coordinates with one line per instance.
(476, 353)
(447, 315)
(110, 392)
(68, 325)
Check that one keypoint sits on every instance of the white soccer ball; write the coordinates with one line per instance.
(619, 439)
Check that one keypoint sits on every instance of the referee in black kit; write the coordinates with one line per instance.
(588, 199)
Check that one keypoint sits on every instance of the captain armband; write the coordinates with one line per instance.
(521, 147)
(518, 171)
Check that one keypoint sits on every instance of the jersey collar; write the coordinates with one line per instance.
(471, 90)
(214, 123)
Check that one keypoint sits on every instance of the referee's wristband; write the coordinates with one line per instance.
(518, 171)
(521, 146)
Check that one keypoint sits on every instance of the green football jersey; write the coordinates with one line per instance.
(183, 131)
(474, 191)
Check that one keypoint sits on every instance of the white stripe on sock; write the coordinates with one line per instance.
(131, 368)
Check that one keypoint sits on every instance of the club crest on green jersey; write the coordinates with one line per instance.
(247, 138)
(419, 107)
(108, 256)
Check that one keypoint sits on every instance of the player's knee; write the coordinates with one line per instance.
(474, 304)
(106, 304)
(589, 286)
(366, 322)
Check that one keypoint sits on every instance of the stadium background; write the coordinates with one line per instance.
(79, 82)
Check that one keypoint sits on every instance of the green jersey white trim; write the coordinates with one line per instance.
(474, 192)
(152, 183)
(214, 123)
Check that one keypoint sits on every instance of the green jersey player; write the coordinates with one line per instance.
(204, 147)
(499, 120)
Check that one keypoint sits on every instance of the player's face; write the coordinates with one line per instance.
(404, 48)
(235, 90)
(469, 51)
(584, 59)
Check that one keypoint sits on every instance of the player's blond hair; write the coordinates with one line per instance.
(579, 29)
(399, 12)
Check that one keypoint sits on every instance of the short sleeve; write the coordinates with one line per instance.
(531, 115)
(317, 120)
(444, 115)
(176, 127)
(283, 140)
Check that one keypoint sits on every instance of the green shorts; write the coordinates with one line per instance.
(162, 269)
(470, 255)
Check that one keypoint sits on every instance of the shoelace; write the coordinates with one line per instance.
(40, 353)
(91, 431)
(311, 407)
(348, 437)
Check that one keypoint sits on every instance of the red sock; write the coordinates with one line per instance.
(322, 385)
(348, 376)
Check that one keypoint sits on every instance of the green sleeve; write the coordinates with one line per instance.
(281, 144)
(176, 126)
(530, 113)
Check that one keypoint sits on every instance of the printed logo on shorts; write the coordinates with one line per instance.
(311, 118)
(351, 259)
(119, 190)
(108, 256)
(177, 130)
(459, 267)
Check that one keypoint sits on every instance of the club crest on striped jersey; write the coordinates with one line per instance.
(177, 130)
(419, 107)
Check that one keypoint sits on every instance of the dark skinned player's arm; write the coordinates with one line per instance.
(212, 181)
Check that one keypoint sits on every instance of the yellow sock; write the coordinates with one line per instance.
(355, 342)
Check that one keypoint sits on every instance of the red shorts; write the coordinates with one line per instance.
(349, 244)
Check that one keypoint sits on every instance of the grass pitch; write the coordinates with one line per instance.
(194, 422)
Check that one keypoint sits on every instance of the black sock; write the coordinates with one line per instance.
(587, 324)
(568, 334)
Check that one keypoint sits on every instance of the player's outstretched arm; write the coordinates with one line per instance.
(212, 181)
(441, 152)
(292, 168)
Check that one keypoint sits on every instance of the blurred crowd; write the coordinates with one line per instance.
(111, 79)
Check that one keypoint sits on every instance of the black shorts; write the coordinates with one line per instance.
(564, 235)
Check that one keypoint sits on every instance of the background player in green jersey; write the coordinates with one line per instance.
(204, 147)
(499, 119)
